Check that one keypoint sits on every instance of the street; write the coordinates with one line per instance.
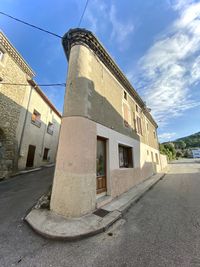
(161, 229)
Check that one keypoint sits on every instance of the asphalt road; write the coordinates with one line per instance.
(162, 229)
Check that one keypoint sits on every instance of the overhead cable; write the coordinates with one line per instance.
(24, 84)
(31, 25)
(81, 18)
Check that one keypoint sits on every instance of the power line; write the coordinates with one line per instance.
(31, 25)
(47, 85)
(83, 13)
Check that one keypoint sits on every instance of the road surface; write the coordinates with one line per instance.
(161, 229)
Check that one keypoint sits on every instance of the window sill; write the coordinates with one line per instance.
(50, 132)
(38, 124)
(125, 168)
(140, 134)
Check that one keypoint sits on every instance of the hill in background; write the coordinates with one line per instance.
(181, 147)
(191, 141)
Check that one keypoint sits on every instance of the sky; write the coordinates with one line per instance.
(156, 43)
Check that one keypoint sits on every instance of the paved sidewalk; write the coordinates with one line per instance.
(51, 225)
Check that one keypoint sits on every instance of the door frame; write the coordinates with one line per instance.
(105, 155)
(28, 155)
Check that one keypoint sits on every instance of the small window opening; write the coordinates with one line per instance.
(46, 152)
(125, 95)
(125, 157)
(35, 118)
(1, 55)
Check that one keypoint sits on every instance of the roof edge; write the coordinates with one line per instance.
(12, 51)
(44, 97)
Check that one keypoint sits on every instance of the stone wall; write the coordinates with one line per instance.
(11, 98)
(16, 108)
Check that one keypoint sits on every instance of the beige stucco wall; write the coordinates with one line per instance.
(164, 162)
(120, 180)
(34, 135)
(93, 92)
(74, 185)
(94, 107)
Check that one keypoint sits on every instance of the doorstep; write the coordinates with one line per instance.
(102, 201)
(51, 225)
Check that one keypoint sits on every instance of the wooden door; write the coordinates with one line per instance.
(30, 156)
(101, 165)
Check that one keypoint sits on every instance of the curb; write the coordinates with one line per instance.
(28, 171)
(111, 218)
(133, 201)
(52, 226)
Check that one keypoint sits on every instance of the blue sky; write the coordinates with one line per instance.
(155, 43)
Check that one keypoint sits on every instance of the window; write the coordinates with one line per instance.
(125, 95)
(50, 128)
(1, 55)
(137, 109)
(139, 125)
(126, 114)
(35, 119)
(147, 152)
(45, 155)
(147, 126)
(154, 134)
(134, 121)
(125, 157)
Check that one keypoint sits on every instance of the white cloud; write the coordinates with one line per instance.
(171, 66)
(195, 70)
(120, 30)
(100, 16)
(166, 136)
(180, 4)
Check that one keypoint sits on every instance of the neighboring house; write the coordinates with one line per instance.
(29, 125)
(108, 141)
(196, 153)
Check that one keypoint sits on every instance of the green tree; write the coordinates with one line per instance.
(169, 150)
(182, 144)
(179, 154)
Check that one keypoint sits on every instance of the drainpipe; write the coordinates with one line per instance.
(45, 131)
(24, 124)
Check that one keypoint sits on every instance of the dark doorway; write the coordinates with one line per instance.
(30, 157)
(46, 152)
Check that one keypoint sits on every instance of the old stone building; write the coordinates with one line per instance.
(29, 125)
(108, 141)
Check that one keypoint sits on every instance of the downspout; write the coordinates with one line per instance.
(45, 131)
(24, 124)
